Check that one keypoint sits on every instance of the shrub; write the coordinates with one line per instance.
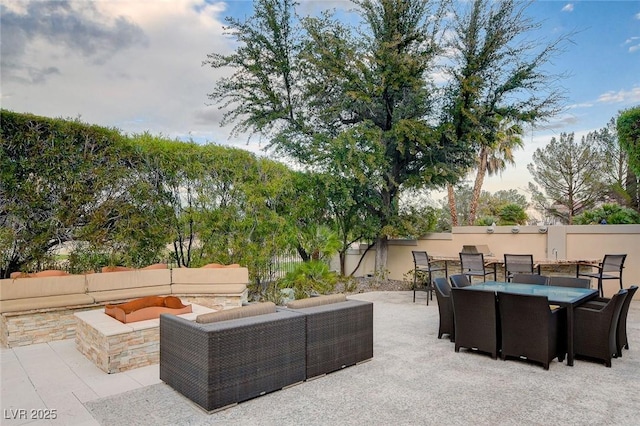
(313, 277)
(610, 213)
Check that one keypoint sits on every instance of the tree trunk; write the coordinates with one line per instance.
(632, 188)
(477, 186)
(369, 247)
(382, 249)
(451, 198)
(303, 253)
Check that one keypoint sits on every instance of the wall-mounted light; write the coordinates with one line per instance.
(542, 230)
(515, 229)
(490, 229)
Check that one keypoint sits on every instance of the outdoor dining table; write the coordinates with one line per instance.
(567, 297)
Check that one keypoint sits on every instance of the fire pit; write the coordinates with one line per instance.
(146, 308)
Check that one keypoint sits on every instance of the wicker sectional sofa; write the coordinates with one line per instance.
(339, 332)
(246, 352)
(222, 363)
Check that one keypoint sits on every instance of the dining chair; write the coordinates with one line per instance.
(518, 264)
(530, 329)
(569, 282)
(613, 263)
(529, 279)
(621, 336)
(445, 308)
(473, 265)
(459, 281)
(595, 330)
(423, 264)
(476, 320)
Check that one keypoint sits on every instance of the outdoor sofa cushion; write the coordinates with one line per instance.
(316, 301)
(235, 313)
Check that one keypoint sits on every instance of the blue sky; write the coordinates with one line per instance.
(136, 65)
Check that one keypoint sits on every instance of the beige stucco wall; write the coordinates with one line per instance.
(560, 242)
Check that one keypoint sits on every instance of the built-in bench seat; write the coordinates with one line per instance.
(39, 309)
(26, 294)
(123, 285)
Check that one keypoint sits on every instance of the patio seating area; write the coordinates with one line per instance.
(411, 373)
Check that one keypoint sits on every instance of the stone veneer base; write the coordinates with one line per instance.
(47, 325)
(29, 328)
(114, 346)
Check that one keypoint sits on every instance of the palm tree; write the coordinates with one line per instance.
(494, 158)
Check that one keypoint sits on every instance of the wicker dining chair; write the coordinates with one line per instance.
(423, 264)
(569, 282)
(595, 330)
(518, 264)
(476, 320)
(530, 329)
(612, 263)
(459, 281)
(529, 279)
(445, 308)
(621, 336)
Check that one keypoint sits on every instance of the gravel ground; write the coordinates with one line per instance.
(365, 284)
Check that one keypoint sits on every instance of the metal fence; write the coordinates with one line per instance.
(278, 267)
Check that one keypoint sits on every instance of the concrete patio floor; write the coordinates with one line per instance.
(414, 378)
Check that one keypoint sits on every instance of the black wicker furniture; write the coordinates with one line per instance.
(222, 363)
(529, 279)
(621, 339)
(613, 263)
(339, 332)
(595, 330)
(422, 264)
(519, 264)
(565, 297)
(476, 320)
(530, 329)
(445, 308)
(559, 281)
(459, 281)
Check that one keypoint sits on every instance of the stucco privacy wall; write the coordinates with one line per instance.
(558, 242)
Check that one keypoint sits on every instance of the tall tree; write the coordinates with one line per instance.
(499, 81)
(361, 103)
(622, 181)
(57, 177)
(570, 173)
(628, 127)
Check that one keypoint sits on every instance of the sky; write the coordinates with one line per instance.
(136, 65)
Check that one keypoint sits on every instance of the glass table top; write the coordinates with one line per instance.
(561, 295)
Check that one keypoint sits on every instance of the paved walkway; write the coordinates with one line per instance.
(414, 378)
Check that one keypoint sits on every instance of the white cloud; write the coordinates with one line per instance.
(632, 95)
(568, 7)
(159, 86)
(637, 16)
(635, 42)
(581, 105)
